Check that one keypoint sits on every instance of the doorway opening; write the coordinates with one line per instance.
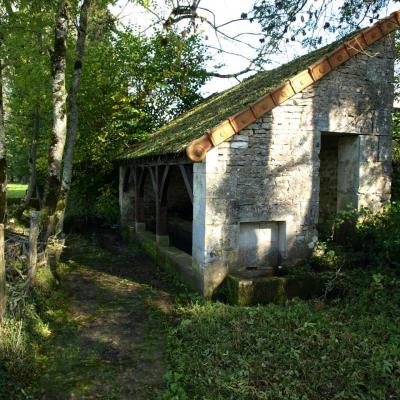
(338, 173)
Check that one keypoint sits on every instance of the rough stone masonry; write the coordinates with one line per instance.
(257, 196)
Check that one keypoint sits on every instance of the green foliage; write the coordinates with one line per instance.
(16, 190)
(299, 350)
(107, 206)
(131, 84)
(24, 327)
(308, 21)
(138, 84)
(362, 237)
(343, 346)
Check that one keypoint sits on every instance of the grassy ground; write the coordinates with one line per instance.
(107, 337)
(348, 349)
(16, 190)
(117, 330)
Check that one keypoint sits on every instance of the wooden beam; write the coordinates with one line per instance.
(139, 207)
(125, 186)
(153, 173)
(187, 175)
(161, 209)
(197, 150)
(164, 181)
(175, 159)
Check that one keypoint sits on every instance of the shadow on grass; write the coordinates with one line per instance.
(108, 327)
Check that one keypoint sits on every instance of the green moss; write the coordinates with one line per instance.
(246, 292)
(174, 137)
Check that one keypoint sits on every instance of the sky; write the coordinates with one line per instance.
(223, 11)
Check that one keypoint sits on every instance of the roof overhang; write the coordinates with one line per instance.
(198, 148)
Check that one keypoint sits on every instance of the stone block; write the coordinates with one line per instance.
(263, 290)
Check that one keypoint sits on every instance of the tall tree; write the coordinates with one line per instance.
(59, 131)
(35, 139)
(4, 14)
(3, 199)
(74, 114)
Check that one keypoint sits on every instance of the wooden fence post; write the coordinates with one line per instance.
(33, 240)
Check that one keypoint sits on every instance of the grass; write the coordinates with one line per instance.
(16, 190)
(342, 346)
(348, 349)
(25, 329)
(100, 335)
(106, 333)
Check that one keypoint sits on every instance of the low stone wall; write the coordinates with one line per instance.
(247, 292)
(176, 262)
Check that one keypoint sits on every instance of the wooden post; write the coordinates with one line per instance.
(33, 239)
(161, 174)
(3, 288)
(139, 210)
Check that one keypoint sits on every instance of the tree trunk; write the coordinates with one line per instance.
(3, 288)
(59, 133)
(32, 158)
(35, 139)
(73, 122)
(3, 201)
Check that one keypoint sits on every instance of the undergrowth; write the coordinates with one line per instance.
(24, 331)
(345, 346)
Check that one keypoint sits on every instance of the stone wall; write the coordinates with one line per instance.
(269, 173)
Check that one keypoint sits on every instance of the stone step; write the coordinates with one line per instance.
(244, 291)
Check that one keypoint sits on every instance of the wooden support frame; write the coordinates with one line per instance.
(187, 175)
(159, 175)
(127, 175)
(140, 173)
(160, 178)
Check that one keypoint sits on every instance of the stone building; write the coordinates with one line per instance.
(239, 183)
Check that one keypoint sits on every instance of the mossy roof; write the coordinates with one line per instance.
(174, 137)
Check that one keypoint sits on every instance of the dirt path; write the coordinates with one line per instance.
(108, 340)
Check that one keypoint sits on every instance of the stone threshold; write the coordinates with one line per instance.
(242, 291)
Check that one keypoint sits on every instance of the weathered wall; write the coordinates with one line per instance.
(270, 171)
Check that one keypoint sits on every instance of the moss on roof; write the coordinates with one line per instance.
(174, 137)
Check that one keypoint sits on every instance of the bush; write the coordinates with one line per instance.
(362, 238)
(107, 205)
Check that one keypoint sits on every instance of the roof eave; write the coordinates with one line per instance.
(198, 148)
